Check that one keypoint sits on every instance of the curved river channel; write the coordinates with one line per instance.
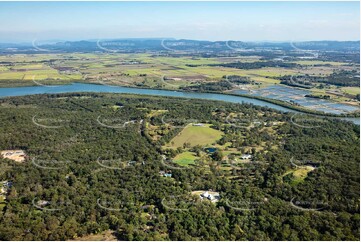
(81, 87)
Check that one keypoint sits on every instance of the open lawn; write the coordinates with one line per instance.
(196, 135)
(185, 158)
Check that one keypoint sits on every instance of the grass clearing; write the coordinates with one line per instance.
(302, 172)
(185, 158)
(196, 135)
(351, 90)
(154, 113)
(299, 174)
(2, 202)
(3, 68)
(108, 235)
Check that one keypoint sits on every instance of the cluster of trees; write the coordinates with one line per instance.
(341, 78)
(299, 81)
(84, 197)
(318, 96)
(226, 83)
(238, 79)
(342, 56)
(209, 87)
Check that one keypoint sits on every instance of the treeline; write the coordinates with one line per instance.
(209, 87)
(318, 96)
(341, 78)
(298, 83)
(226, 83)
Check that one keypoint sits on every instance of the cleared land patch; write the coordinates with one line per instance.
(108, 235)
(196, 135)
(298, 175)
(16, 155)
(185, 158)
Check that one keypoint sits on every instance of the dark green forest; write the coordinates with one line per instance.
(80, 145)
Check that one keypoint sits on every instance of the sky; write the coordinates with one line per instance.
(245, 21)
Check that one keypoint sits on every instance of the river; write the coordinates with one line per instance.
(82, 87)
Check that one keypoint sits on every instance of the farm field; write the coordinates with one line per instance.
(149, 70)
(351, 90)
(65, 68)
(316, 62)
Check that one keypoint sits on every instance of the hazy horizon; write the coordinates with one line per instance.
(214, 21)
(49, 41)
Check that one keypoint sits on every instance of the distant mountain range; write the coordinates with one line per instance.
(173, 45)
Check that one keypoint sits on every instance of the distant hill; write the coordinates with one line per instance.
(182, 45)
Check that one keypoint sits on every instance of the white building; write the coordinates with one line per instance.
(211, 197)
(246, 157)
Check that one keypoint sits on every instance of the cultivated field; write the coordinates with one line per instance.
(147, 70)
(140, 69)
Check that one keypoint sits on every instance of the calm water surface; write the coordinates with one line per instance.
(81, 87)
